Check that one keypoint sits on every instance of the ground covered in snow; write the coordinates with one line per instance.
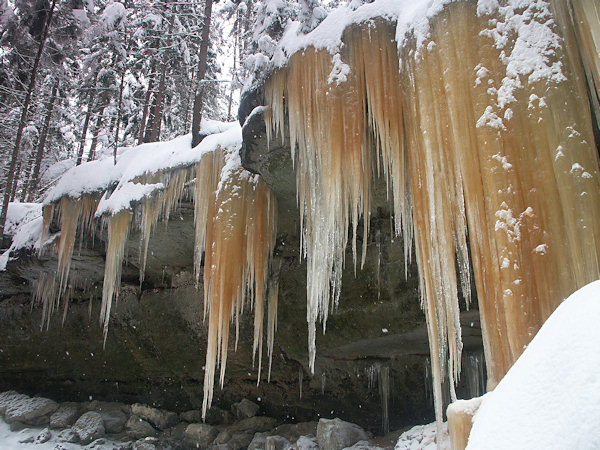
(550, 398)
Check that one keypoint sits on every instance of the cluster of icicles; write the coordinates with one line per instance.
(506, 189)
(234, 239)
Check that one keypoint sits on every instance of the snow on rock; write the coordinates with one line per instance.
(423, 437)
(132, 162)
(337, 434)
(550, 398)
(24, 223)
(89, 427)
(22, 408)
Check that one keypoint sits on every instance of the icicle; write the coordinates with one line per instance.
(239, 240)
(273, 297)
(300, 379)
(118, 229)
(494, 140)
(384, 396)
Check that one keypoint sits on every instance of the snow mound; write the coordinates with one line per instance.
(423, 437)
(550, 398)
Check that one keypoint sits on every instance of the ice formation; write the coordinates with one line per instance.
(234, 215)
(480, 124)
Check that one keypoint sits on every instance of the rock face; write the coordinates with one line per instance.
(335, 434)
(155, 351)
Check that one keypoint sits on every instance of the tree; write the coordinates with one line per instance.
(201, 73)
(8, 187)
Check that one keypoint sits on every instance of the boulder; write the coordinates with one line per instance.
(217, 416)
(138, 428)
(199, 435)
(239, 441)
(67, 435)
(113, 414)
(335, 434)
(65, 416)
(222, 438)
(293, 431)
(31, 411)
(192, 416)
(258, 441)
(43, 436)
(17, 426)
(245, 409)
(277, 443)
(146, 444)
(160, 418)
(254, 424)
(364, 445)
(9, 397)
(307, 443)
(89, 427)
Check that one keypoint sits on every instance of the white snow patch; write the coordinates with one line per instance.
(423, 437)
(10, 440)
(24, 223)
(550, 398)
(133, 162)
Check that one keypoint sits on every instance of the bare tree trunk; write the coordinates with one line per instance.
(30, 191)
(187, 102)
(22, 123)
(15, 182)
(202, 64)
(119, 115)
(97, 126)
(86, 124)
(147, 104)
(162, 85)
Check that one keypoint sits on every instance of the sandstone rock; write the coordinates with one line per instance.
(307, 443)
(335, 434)
(138, 428)
(277, 443)
(28, 410)
(199, 435)
(245, 409)
(89, 427)
(43, 436)
(67, 435)
(65, 415)
(254, 424)
(161, 419)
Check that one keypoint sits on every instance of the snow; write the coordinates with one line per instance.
(132, 162)
(550, 398)
(24, 223)
(422, 437)
(10, 440)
